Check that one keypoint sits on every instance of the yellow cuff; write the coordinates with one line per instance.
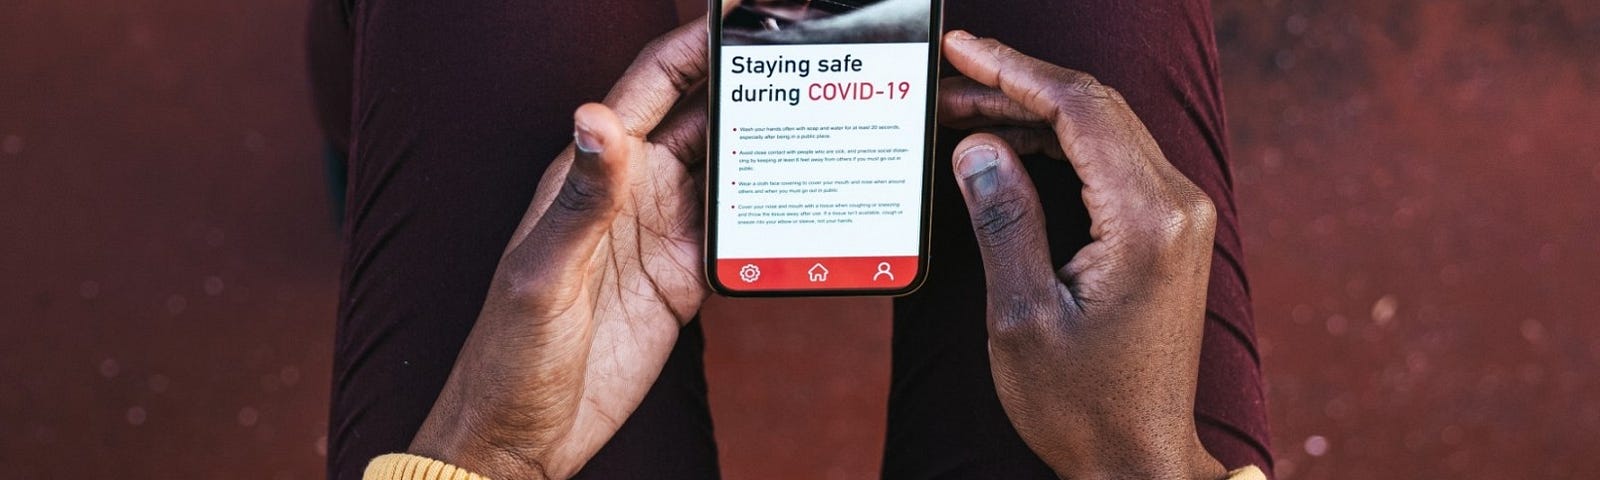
(400, 466)
(1247, 473)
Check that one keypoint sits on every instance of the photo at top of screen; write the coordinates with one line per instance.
(776, 22)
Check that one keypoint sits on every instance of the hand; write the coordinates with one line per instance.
(1095, 364)
(589, 296)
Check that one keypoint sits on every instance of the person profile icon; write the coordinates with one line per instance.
(883, 269)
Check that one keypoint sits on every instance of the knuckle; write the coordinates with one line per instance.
(996, 106)
(997, 48)
(1086, 102)
(1078, 86)
(1187, 222)
(1008, 55)
(527, 289)
(653, 49)
(537, 282)
(1202, 211)
(987, 104)
(1102, 92)
(685, 59)
(1171, 226)
(1084, 84)
(1019, 321)
(1101, 101)
(666, 56)
(672, 65)
(582, 192)
(1009, 331)
(997, 221)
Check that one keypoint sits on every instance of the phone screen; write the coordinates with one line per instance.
(821, 126)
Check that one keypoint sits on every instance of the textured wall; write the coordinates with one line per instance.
(1420, 189)
(1419, 184)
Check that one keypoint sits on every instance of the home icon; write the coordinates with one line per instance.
(818, 273)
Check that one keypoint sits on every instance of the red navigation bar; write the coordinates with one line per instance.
(837, 273)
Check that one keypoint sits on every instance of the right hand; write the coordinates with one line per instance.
(590, 293)
(1095, 364)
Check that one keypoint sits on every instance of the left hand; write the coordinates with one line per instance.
(590, 293)
(1095, 363)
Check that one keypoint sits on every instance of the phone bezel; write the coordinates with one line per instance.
(713, 82)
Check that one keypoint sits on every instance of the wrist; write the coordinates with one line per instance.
(455, 435)
(1110, 459)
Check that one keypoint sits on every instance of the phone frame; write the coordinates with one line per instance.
(713, 185)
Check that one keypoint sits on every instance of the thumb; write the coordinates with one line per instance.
(1008, 222)
(590, 195)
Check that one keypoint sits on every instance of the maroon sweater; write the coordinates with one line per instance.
(455, 108)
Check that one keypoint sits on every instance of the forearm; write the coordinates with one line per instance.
(1132, 453)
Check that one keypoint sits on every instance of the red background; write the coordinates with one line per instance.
(1418, 187)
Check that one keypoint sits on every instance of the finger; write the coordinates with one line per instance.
(1007, 220)
(683, 132)
(589, 196)
(658, 77)
(1042, 88)
(966, 104)
(1097, 131)
(1028, 140)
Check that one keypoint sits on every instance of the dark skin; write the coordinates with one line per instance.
(589, 295)
(1095, 364)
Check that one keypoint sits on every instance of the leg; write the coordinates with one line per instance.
(945, 419)
(457, 108)
(329, 48)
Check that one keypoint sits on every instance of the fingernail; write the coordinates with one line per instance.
(962, 35)
(977, 167)
(587, 141)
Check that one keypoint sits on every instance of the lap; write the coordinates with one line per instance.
(458, 106)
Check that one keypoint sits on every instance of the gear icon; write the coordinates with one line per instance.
(750, 273)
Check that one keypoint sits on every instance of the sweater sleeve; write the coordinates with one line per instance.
(1247, 473)
(400, 466)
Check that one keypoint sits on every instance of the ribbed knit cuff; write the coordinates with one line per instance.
(401, 466)
(1247, 473)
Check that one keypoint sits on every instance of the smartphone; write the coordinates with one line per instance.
(820, 141)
